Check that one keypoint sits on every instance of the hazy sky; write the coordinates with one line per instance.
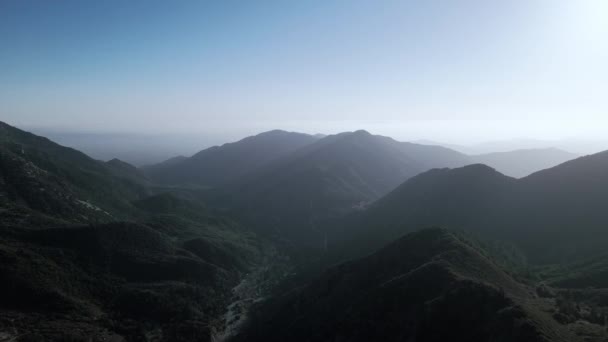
(456, 71)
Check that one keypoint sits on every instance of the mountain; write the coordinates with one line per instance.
(580, 146)
(220, 164)
(521, 163)
(136, 148)
(168, 162)
(462, 198)
(554, 215)
(125, 170)
(117, 279)
(89, 251)
(562, 206)
(341, 173)
(49, 178)
(431, 285)
(93, 250)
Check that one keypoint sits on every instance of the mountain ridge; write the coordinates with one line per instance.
(220, 164)
(332, 176)
(412, 289)
(524, 162)
(554, 205)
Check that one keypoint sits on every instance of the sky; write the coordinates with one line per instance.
(461, 71)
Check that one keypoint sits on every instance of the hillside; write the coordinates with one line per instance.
(117, 279)
(49, 178)
(553, 215)
(95, 249)
(521, 163)
(125, 170)
(461, 198)
(565, 204)
(333, 176)
(72, 269)
(219, 164)
(427, 286)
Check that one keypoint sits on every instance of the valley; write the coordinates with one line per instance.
(303, 171)
(286, 236)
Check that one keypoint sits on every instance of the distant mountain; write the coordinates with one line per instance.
(521, 163)
(136, 148)
(168, 162)
(427, 286)
(580, 146)
(335, 175)
(220, 164)
(125, 170)
(553, 215)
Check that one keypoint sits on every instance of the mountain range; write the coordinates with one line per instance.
(521, 163)
(220, 164)
(333, 176)
(286, 236)
(554, 214)
(304, 180)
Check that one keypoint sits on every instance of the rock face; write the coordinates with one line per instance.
(427, 286)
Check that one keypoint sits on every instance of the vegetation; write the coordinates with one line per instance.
(294, 196)
(416, 288)
(552, 216)
(285, 236)
(73, 269)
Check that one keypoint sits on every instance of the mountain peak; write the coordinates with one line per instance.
(362, 132)
(117, 161)
(220, 164)
(471, 170)
(274, 132)
(477, 168)
(279, 133)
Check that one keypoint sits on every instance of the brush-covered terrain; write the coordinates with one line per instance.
(292, 237)
(432, 285)
(90, 252)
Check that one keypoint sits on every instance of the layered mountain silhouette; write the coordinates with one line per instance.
(521, 163)
(553, 214)
(333, 176)
(183, 250)
(220, 164)
(125, 170)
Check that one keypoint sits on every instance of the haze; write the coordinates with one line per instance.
(461, 72)
(304, 171)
